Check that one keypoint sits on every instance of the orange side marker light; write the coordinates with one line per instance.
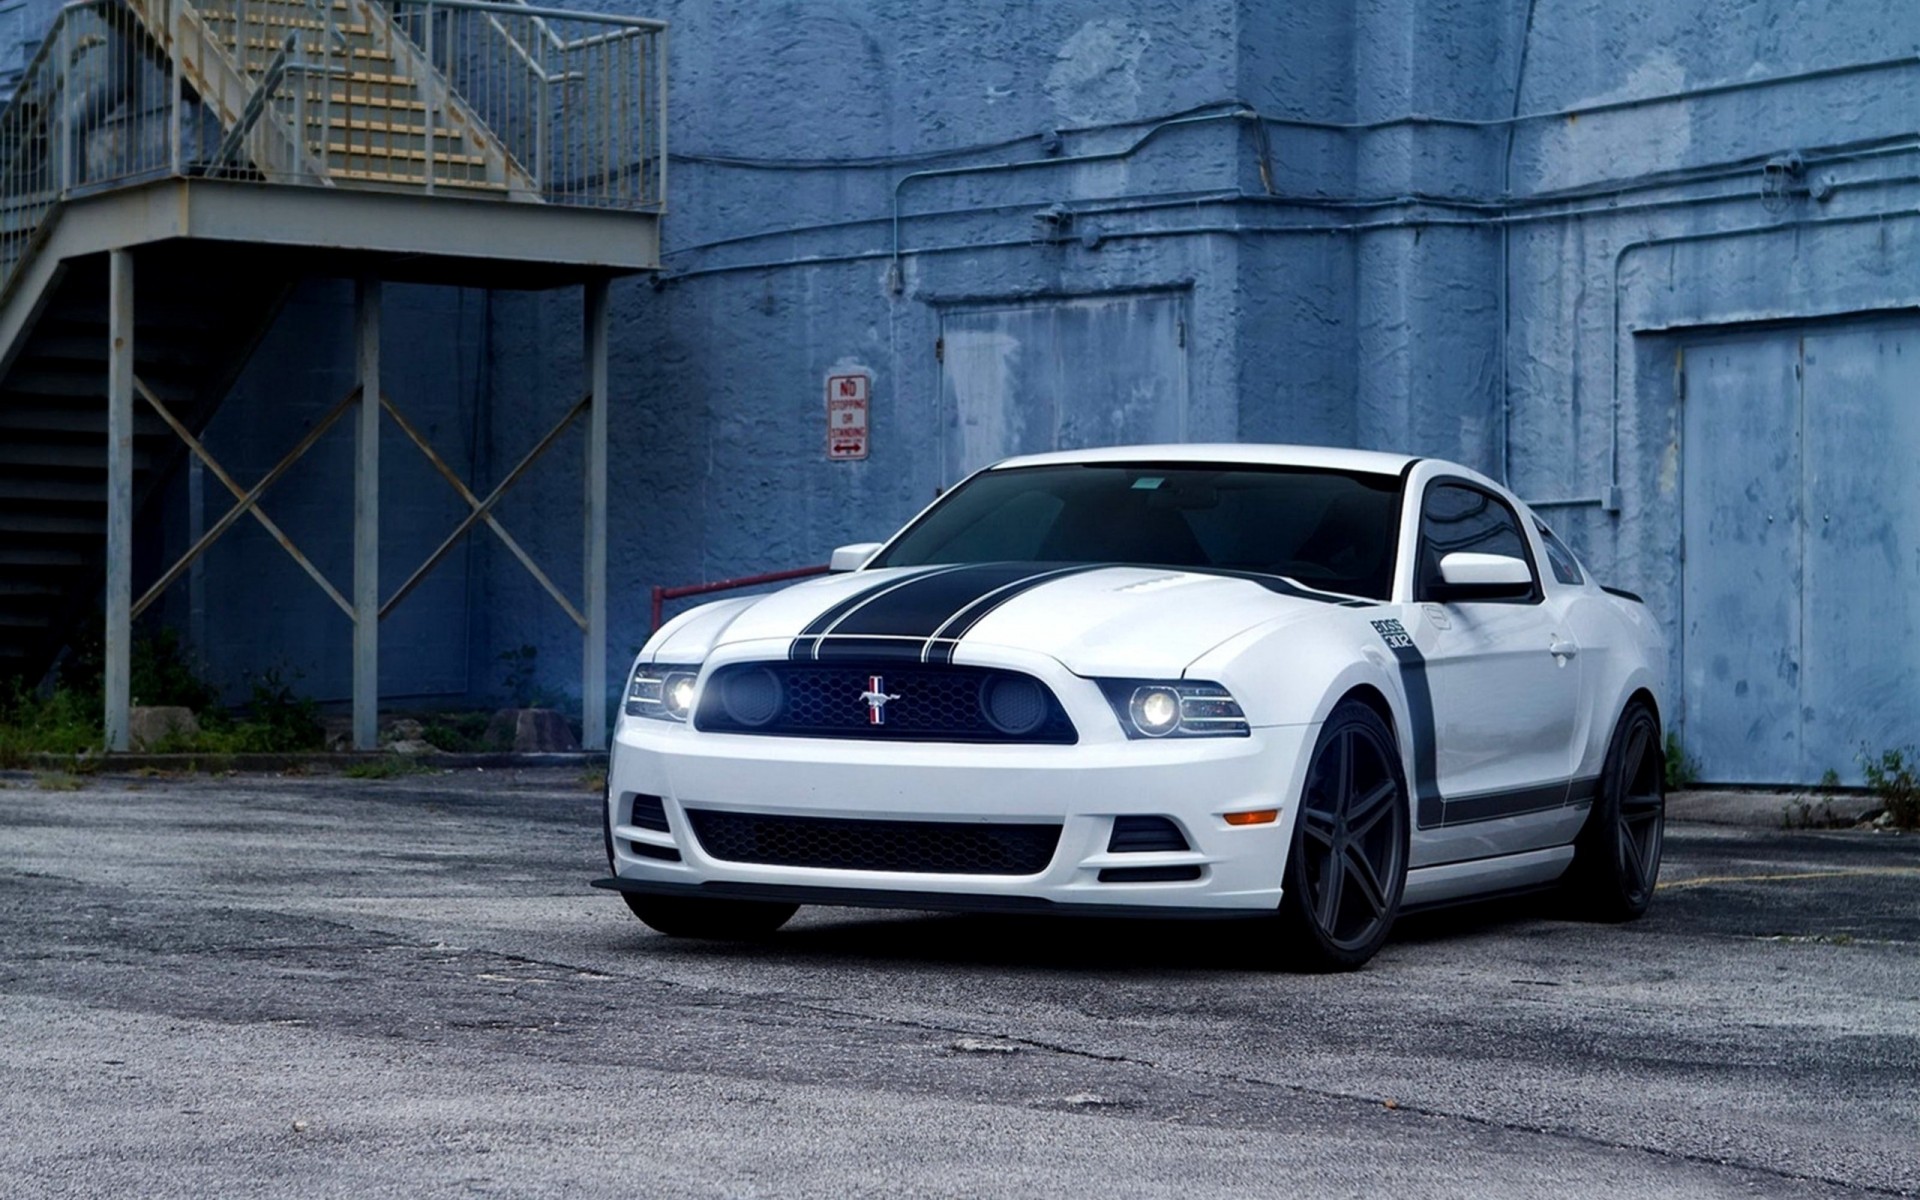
(1259, 816)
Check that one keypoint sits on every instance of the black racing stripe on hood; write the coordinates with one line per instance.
(921, 606)
(945, 639)
(807, 643)
(1282, 586)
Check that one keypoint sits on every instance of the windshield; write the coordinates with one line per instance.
(1327, 529)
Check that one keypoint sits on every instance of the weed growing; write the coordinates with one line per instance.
(1682, 768)
(392, 766)
(1894, 778)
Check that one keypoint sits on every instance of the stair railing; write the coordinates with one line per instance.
(578, 99)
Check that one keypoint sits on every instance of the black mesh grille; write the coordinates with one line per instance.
(923, 703)
(926, 847)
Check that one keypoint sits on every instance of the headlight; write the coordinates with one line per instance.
(661, 691)
(1149, 708)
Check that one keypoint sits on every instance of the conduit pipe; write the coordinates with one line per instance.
(895, 282)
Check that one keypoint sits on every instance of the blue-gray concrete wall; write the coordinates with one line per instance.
(1475, 228)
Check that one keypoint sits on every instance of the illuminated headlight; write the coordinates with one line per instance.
(1152, 709)
(662, 692)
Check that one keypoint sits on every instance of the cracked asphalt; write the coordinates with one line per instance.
(258, 986)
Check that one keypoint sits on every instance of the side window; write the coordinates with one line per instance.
(1457, 517)
(1566, 568)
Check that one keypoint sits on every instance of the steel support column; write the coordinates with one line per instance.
(366, 520)
(593, 655)
(119, 597)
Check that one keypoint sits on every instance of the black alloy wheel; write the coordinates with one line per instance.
(1348, 865)
(1616, 858)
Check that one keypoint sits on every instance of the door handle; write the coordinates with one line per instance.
(1560, 647)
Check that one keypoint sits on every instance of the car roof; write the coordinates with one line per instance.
(1264, 455)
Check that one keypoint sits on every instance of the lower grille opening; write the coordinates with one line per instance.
(663, 853)
(1149, 874)
(922, 847)
(1137, 835)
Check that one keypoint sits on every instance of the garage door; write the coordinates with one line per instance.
(1801, 619)
(1061, 375)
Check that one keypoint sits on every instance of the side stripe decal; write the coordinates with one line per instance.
(1431, 809)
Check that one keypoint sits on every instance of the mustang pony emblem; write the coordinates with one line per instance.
(876, 698)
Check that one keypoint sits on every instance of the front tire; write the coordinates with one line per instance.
(1347, 867)
(677, 916)
(719, 920)
(1616, 858)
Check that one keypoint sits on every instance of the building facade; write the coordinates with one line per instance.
(1653, 263)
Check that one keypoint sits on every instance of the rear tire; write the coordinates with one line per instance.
(1347, 867)
(720, 920)
(1616, 858)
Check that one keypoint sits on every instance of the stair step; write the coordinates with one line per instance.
(351, 50)
(53, 491)
(385, 128)
(58, 559)
(53, 524)
(380, 79)
(90, 420)
(219, 17)
(254, 6)
(79, 381)
(29, 589)
(415, 180)
(375, 151)
(150, 353)
(257, 62)
(20, 621)
(351, 100)
(65, 456)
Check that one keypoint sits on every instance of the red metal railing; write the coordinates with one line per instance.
(663, 594)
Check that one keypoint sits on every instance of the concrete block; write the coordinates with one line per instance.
(531, 731)
(152, 724)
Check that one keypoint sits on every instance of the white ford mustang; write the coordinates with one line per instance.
(1316, 687)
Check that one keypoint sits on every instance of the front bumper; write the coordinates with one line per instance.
(1082, 788)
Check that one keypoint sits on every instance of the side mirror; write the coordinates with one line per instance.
(852, 558)
(1466, 576)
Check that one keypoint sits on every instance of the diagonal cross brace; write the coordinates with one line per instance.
(483, 509)
(246, 500)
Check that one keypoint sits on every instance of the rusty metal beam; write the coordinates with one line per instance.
(483, 510)
(239, 493)
(247, 501)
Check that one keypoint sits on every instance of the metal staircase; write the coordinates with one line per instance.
(194, 338)
(233, 147)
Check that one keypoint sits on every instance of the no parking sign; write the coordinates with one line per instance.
(847, 416)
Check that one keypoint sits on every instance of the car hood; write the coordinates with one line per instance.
(1097, 620)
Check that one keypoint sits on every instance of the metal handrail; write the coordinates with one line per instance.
(662, 593)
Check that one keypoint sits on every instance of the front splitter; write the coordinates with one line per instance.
(958, 902)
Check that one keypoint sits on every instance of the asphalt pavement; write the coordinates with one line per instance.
(317, 986)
